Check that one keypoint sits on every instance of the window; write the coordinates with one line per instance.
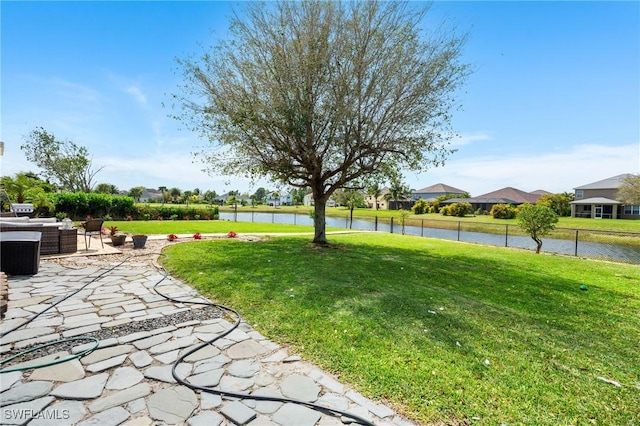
(632, 210)
(579, 194)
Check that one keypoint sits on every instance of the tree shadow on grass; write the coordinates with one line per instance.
(417, 309)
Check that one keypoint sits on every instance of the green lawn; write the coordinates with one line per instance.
(203, 226)
(444, 332)
(565, 222)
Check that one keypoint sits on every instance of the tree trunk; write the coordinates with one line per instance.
(320, 235)
(539, 244)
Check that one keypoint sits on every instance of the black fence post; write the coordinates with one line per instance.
(506, 235)
(392, 225)
(458, 230)
(422, 228)
(576, 250)
(376, 224)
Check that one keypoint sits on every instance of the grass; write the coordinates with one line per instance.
(386, 215)
(565, 222)
(204, 226)
(411, 321)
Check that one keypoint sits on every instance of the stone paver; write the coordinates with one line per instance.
(128, 379)
(172, 405)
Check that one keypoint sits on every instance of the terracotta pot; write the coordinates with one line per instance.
(118, 240)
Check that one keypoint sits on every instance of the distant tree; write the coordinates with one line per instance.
(537, 220)
(62, 162)
(175, 194)
(186, 197)
(374, 191)
(210, 196)
(629, 191)
(136, 192)
(106, 188)
(398, 191)
(444, 197)
(260, 195)
(559, 203)
(351, 199)
(322, 94)
(162, 189)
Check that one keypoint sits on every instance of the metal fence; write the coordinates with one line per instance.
(588, 243)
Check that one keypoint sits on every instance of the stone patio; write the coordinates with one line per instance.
(127, 379)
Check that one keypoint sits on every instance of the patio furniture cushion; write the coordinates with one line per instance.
(20, 252)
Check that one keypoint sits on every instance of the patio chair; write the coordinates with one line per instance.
(92, 227)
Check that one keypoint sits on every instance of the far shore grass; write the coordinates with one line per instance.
(445, 332)
(617, 225)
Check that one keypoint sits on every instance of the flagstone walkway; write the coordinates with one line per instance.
(127, 379)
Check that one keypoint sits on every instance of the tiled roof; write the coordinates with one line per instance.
(609, 183)
(440, 187)
(509, 193)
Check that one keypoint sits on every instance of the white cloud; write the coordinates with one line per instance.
(137, 94)
(469, 138)
(557, 171)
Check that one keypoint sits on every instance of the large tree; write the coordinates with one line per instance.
(629, 191)
(323, 94)
(62, 162)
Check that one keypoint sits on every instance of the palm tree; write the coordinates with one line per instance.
(397, 191)
(374, 191)
(136, 192)
(162, 189)
(18, 186)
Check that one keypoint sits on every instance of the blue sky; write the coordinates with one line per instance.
(554, 102)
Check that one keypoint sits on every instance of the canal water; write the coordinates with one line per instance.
(615, 252)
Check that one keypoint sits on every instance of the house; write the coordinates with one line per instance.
(224, 198)
(598, 200)
(308, 201)
(430, 193)
(149, 195)
(380, 202)
(280, 199)
(506, 195)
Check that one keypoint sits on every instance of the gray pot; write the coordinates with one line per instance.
(139, 241)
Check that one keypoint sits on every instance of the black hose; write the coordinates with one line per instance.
(238, 319)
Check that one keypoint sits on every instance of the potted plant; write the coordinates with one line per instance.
(116, 239)
(139, 241)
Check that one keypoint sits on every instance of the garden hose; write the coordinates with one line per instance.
(316, 407)
(54, 362)
(238, 319)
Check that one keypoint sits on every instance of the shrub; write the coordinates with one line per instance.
(80, 205)
(420, 207)
(503, 211)
(457, 209)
